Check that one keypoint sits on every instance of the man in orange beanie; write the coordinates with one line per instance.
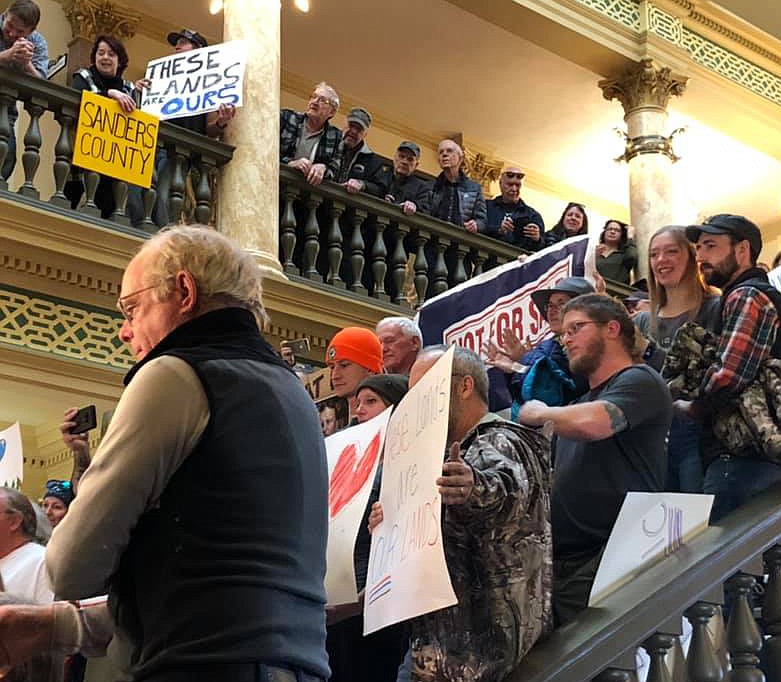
(353, 354)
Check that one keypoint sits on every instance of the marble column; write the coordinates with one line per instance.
(249, 187)
(644, 91)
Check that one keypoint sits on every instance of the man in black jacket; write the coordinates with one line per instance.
(454, 197)
(361, 169)
(509, 218)
(405, 189)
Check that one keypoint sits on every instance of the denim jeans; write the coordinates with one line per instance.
(735, 480)
(684, 463)
(135, 196)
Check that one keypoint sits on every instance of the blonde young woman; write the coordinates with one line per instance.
(677, 295)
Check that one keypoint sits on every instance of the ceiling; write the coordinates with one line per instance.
(764, 14)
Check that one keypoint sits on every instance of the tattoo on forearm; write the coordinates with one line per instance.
(617, 419)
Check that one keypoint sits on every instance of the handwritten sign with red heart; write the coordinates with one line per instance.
(350, 473)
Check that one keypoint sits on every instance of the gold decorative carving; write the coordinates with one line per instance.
(482, 169)
(644, 85)
(90, 18)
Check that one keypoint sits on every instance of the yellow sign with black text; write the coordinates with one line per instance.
(114, 143)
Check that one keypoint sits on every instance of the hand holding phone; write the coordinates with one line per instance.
(85, 420)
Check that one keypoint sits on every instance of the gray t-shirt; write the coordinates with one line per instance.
(591, 478)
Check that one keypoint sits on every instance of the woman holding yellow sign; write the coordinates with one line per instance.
(108, 61)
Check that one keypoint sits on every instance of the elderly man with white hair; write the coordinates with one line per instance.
(204, 512)
(454, 197)
(401, 341)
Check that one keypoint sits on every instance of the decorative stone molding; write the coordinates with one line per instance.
(60, 274)
(644, 85)
(62, 329)
(626, 12)
(481, 168)
(90, 18)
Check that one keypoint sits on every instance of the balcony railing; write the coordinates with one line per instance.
(362, 244)
(40, 98)
(691, 583)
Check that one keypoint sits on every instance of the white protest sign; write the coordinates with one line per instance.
(407, 570)
(650, 526)
(353, 457)
(195, 81)
(11, 457)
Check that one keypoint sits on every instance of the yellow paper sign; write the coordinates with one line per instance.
(114, 143)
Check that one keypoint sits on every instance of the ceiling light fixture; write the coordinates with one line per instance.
(301, 5)
(215, 6)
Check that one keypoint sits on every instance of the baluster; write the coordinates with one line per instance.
(335, 251)
(440, 269)
(91, 180)
(615, 675)
(177, 158)
(459, 272)
(7, 99)
(743, 637)
(399, 264)
(148, 199)
(119, 191)
(312, 239)
(357, 258)
(379, 254)
(203, 191)
(771, 615)
(478, 259)
(656, 646)
(63, 153)
(702, 663)
(421, 266)
(32, 148)
(288, 237)
(676, 662)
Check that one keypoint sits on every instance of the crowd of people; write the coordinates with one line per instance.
(206, 525)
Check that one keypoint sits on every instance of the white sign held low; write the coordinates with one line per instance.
(408, 574)
(353, 457)
(195, 81)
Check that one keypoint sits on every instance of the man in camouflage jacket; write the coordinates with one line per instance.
(497, 537)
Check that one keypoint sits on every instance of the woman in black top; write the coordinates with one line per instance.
(573, 222)
(616, 252)
(108, 61)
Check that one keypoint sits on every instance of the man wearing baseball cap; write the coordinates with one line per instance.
(361, 169)
(353, 354)
(405, 189)
(727, 250)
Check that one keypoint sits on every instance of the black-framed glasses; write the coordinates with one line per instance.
(575, 327)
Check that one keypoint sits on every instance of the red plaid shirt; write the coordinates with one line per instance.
(750, 325)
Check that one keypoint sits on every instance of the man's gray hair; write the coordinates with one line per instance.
(466, 363)
(225, 274)
(18, 503)
(408, 327)
(332, 94)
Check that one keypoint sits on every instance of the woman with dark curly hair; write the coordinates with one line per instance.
(616, 252)
(108, 61)
(573, 222)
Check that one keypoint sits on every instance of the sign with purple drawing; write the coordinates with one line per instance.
(353, 458)
(650, 527)
(407, 570)
(11, 459)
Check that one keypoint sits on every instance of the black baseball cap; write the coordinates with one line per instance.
(735, 225)
(193, 36)
(360, 116)
(411, 146)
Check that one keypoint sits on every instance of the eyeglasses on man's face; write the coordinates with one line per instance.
(321, 99)
(127, 310)
(575, 327)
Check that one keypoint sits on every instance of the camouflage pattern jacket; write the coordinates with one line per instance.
(750, 425)
(498, 550)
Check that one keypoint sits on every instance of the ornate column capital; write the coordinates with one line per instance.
(482, 168)
(90, 18)
(644, 85)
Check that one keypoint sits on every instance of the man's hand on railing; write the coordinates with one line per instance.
(302, 164)
(354, 186)
(471, 226)
(316, 174)
(19, 54)
(125, 101)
